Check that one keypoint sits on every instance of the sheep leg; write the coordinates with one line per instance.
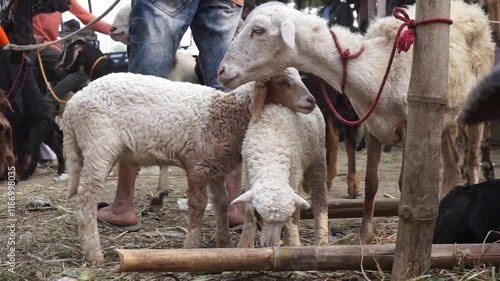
(93, 177)
(314, 180)
(352, 176)
(332, 147)
(451, 158)
(291, 230)
(247, 238)
(197, 202)
(374, 151)
(156, 202)
(220, 200)
(486, 163)
(475, 133)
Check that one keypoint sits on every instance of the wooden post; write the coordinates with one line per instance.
(353, 208)
(428, 89)
(297, 258)
(494, 16)
(381, 6)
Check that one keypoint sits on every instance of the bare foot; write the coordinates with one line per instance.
(236, 214)
(116, 216)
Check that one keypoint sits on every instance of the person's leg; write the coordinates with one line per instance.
(213, 27)
(155, 33)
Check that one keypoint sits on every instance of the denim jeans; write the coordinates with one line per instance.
(157, 27)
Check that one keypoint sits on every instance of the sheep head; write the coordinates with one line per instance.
(120, 26)
(264, 46)
(285, 89)
(273, 206)
(78, 55)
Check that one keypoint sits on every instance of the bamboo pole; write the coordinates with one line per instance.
(428, 91)
(353, 208)
(494, 16)
(344, 257)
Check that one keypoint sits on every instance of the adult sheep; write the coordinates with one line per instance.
(282, 151)
(287, 38)
(149, 120)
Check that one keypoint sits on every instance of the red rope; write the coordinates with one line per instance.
(402, 42)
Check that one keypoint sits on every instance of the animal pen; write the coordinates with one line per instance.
(417, 209)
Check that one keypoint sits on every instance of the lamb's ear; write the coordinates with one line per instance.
(299, 201)
(288, 34)
(259, 99)
(244, 198)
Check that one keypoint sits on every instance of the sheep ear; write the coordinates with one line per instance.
(299, 201)
(5, 104)
(244, 198)
(288, 34)
(259, 98)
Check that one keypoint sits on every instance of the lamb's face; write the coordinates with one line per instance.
(264, 46)
(120, 27)
(273, 207)
(288, 90)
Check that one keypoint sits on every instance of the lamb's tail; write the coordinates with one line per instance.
(74, 160)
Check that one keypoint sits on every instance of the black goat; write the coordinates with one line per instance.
(336, 131)
(468, 213)
(79, 55)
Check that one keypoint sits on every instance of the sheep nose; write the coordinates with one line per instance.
(311, 100)
(221, 70)
(113, 28)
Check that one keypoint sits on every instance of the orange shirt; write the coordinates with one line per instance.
(47, 25)
(238, 2)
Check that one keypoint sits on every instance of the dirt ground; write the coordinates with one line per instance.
(47, 246)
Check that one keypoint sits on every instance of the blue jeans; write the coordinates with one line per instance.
(157, 27)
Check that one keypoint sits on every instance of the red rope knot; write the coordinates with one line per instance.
(345, 54)
(406, 39)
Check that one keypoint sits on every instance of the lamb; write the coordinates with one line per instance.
(149, 120)
(283, 150)
(7, 159)
(289, 38)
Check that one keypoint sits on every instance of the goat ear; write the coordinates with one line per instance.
(288, 34)
(259, 99)
(299, 201)
(244, 198)
(75, 53)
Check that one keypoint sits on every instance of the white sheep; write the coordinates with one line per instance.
(282, 151)
(289, 38)
(147, 121)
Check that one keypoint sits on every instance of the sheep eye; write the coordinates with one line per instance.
(257, 30)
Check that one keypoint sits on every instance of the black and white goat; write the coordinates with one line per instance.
(79, 55)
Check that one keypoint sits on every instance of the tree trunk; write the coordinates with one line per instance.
(297, 258)
(427, 91)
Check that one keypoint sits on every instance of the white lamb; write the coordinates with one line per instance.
(289, 38)
(282, 151)
(147, 121)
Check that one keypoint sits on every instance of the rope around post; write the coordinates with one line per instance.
(4, 42)
(402, 43)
